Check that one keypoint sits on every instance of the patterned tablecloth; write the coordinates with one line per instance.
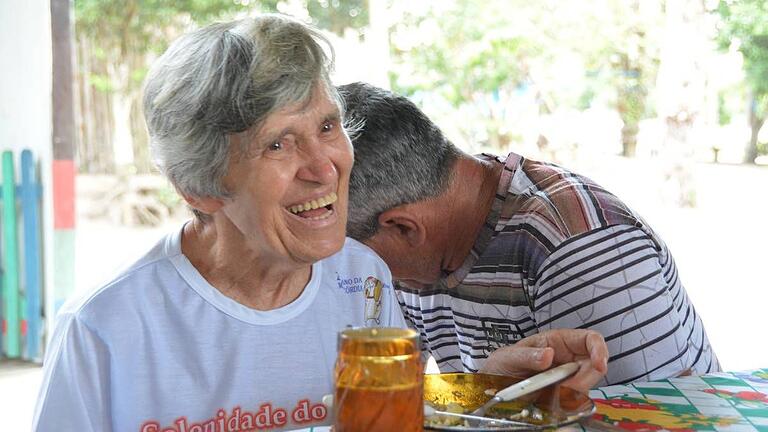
(723, 402)
(729, 402)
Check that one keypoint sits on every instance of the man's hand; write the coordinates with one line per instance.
(551, 348)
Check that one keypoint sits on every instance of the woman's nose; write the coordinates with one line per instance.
(318, 168)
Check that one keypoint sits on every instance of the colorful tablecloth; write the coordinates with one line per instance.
(727, 402)
(723, 402)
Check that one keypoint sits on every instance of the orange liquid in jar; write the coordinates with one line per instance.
(379, 410)
(379, 381)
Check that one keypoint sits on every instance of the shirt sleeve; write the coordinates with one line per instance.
(394, 313)
(621, 283)
(74, 395)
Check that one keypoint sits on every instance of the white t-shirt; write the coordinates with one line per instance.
(158, 349)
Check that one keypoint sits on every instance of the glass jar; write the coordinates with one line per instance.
(379, 381)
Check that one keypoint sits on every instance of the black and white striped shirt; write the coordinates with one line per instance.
(559, 251)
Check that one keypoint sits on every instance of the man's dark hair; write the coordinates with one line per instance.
(401, 157)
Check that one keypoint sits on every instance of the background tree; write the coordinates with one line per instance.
(744, 27)
(562, 54)
(338, 15)
(114, 41)
(634, 63)
(504, 73)
(466, 56)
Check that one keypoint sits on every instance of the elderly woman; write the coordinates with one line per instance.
(230, 323)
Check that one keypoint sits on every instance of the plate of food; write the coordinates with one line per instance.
(463, 393)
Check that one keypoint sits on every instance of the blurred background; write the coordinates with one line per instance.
(661, 101)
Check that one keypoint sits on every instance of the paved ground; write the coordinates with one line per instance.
(19, 383)
(719, 247)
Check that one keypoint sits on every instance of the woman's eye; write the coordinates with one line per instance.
(327, 127)
(277, 145)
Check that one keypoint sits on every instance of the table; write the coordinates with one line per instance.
(727, 402)
(722, 402)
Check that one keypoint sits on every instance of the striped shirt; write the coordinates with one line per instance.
(559, 251)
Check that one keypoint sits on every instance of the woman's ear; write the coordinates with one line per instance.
(207, 205)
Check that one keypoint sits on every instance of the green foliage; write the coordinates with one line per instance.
(123, 32)
(168, 197)
(468, 50)
(723, 113)
(138, 74)
(730, 103)
(562, 54)
(338, 15)
(744, 26)
(139, 23)
(100, 82)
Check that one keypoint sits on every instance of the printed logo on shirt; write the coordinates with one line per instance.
(265, 418)
(349, 284)
(373, 288)
(498, 335)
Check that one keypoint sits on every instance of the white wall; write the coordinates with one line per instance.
(25, 97)
(25, 77)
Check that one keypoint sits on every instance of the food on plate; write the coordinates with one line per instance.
(463, 393)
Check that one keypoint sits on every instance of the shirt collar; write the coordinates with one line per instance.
(511, 164)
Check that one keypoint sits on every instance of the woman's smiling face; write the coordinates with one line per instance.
(288, 191)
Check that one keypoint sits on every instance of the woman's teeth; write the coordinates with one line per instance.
(314, 204)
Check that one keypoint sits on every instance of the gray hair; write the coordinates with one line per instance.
(224, 79)
(401, 157)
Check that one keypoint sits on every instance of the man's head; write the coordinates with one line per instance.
(403, 164)
(401, 157)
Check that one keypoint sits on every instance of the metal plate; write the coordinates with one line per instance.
(558, 405)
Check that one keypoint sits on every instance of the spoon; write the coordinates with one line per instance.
(476, 420)
(529, 385)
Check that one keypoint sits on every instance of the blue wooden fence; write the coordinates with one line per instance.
(22, 298)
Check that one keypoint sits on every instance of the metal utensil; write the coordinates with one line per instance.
(529, 385)
(476, 420)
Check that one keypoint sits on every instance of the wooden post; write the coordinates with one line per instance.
(30, 193)
(11, 305)
(63, 155)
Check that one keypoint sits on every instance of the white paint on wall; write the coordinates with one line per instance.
(26, 103)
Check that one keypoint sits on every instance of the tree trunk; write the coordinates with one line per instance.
(139, 137)
(122, 140)
(94, 114)
(755, 123)
(629, 139)
(141, 155)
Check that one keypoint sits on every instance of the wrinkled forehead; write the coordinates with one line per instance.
(320, 101)
(321, 104)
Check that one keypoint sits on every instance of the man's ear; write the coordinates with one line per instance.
(403, 225)
(207, 205)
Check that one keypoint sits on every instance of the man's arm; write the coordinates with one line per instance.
(620, 283)
(74, 395)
